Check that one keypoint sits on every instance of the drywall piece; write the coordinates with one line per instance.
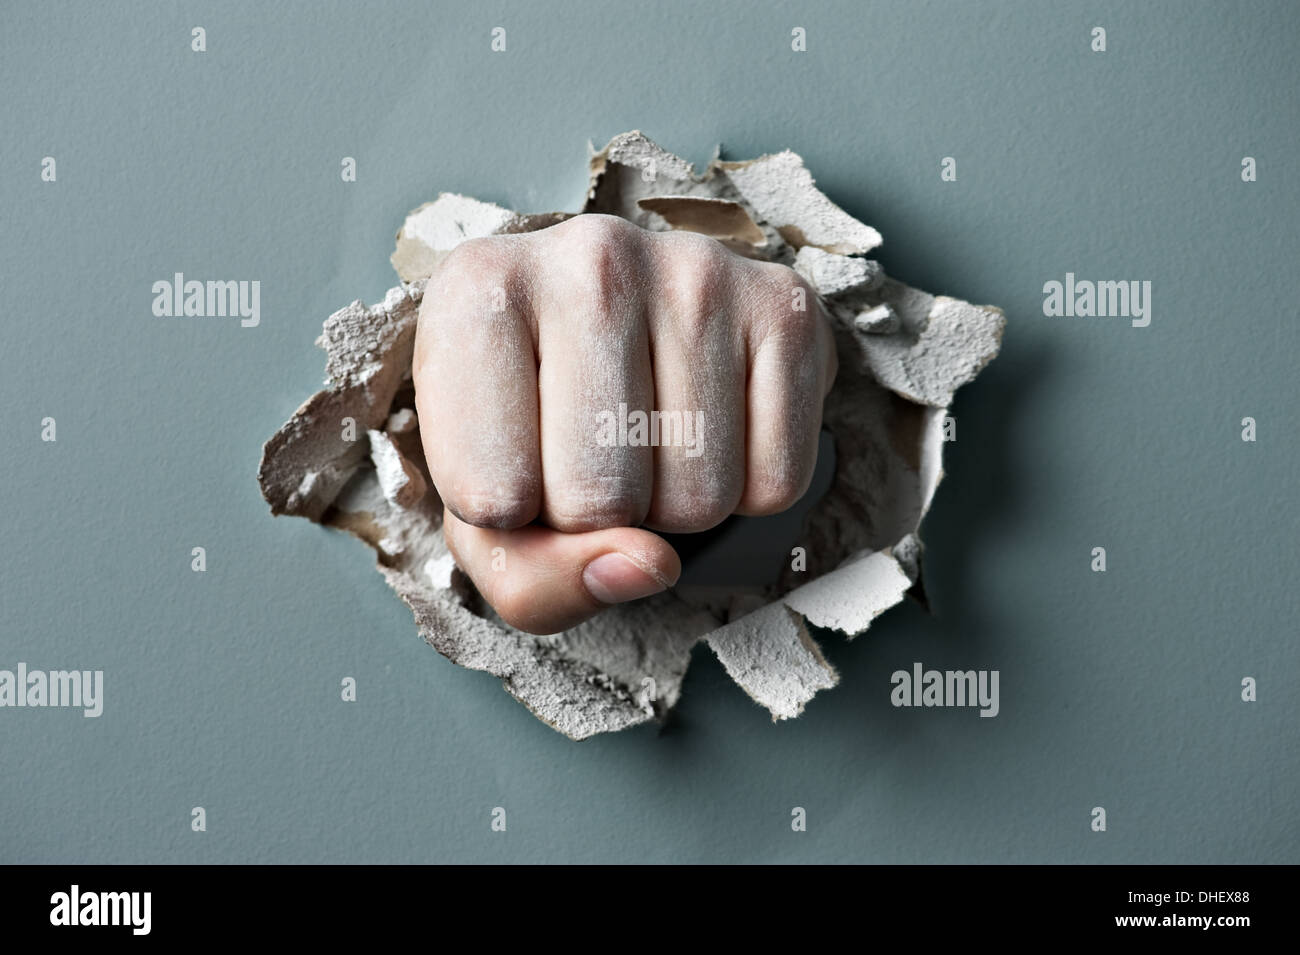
(832, 274)
(401, 422)
(851, 596)
(880, 320)
(781, 191)
(440, 571)
(717, 218)
(351, 456)
(306, 464)
(770, 654)
(437, 227)
(632, 176)
(400, 480)
(941, 345)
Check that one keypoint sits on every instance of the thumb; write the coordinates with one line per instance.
(542, 581)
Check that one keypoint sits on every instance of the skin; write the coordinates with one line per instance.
(524, 340)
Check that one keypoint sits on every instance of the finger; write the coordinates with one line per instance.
(593, 376)
(791, 370)
(476, 387)
(543, 581)
(698, 356)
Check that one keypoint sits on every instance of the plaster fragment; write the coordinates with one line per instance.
(781, 191)
(716, 218)
(832, 274)
(851, 596)
(879, 320)
(400, 480)
(437, 227)
(770, 654)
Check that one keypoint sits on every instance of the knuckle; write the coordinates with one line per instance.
(692, 246)
(471, 257)
(473, 297)
(471, 272)
(690, 510)
(693, 287)
(786, 298)
(575, 513)
(505, 509)
(598, 258)
(798, 334)
(774, 491)
(595, 230)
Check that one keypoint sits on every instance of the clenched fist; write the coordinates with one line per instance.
(581, 385)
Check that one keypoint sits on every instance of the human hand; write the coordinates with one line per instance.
(583, 385)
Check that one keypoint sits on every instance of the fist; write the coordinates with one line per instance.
(585, 385)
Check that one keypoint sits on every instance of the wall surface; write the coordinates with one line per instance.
(1120, 690)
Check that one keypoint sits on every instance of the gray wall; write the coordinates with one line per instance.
(1120, 690)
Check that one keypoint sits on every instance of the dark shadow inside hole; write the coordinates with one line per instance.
(748, 552)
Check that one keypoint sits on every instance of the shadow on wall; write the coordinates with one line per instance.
(985, 481)
(986, 475)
